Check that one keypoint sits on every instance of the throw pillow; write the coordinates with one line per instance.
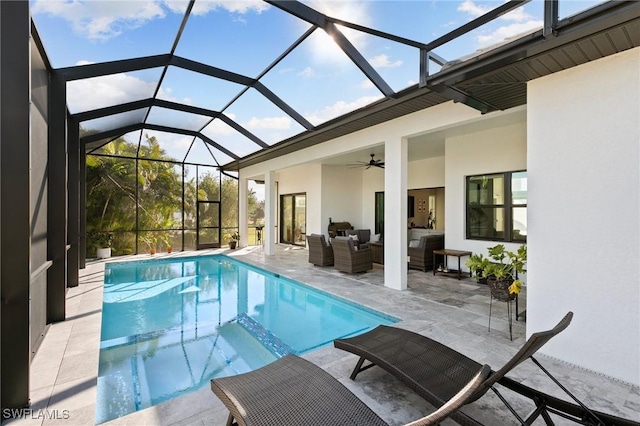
(354, 237)
(374, 238)
(414, 243)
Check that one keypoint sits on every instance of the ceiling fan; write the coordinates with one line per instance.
(368, 164)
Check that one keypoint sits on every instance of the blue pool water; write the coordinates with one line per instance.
(169, 326)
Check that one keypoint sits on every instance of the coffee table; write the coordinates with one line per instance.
(446, 253)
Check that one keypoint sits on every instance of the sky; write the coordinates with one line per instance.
(245, 36)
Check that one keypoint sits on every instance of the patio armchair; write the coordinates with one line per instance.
(347, 258)
(293, 391)
(421, 256)
(320, 253)
(364, 235)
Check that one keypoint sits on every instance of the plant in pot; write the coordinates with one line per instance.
(150, 241)
(103, 242)
(500, 270)
(235, 237)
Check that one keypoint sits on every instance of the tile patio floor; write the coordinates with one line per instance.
(454, 312)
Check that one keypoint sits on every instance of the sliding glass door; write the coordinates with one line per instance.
(293, 219)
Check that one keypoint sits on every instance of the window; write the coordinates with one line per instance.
(497, 207)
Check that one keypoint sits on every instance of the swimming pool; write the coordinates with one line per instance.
(169, 326)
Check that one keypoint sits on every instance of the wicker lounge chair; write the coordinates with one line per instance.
(292, 391)
(348, 259)
(436, 372)
(320, 253)
(421, 257)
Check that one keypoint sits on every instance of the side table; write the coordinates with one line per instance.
(446, 253)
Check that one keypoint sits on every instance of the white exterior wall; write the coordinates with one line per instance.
(308, 179)
(341, 196)
(501, 149)
(427, 173)
(584, 214)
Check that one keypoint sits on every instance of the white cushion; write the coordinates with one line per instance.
(414, 243)
(374, 238)
(354, 237)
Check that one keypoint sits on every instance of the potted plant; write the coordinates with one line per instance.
(103, 240)
(150, 240)
(235, 237)
(500, 270)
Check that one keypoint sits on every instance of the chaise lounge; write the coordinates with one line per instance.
(437, 372)
(292, 391)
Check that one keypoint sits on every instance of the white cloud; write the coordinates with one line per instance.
(339, 108)
(366, 84)
(101, 20)
(508, 31)
(271, 123)
(469, 7)
(218, 127)
(523, 22)
(98, 92)
(382, 61)
(307, 72)
(202, 7)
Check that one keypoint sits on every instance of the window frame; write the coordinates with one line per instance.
(507, 206)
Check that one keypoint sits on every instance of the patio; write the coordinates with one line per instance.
(454, 312)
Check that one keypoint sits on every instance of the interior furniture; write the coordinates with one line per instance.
(347, 258)
(415, 233)
(364, 235)
(436, 372)
(421, 257)
(377, 252)
(320, 252)
(445, 253)
(336, 229)
(293, 391)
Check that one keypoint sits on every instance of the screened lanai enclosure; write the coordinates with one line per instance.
(141, 199)
(167, 114)
(133, 122)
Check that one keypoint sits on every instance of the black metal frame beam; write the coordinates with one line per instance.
(150, 102)
(141, 126)
(80, 72)
(57, 203)
(15, 212)
(569, 30)
(73, 200)
(320, 20)
(597, 19)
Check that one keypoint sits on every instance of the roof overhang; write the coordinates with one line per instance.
(497, 77)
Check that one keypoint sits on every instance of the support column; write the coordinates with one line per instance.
(395, 213)
(82, 247)
(243, 209)
(15, 226)
(270, 202)
(73, 188)
(57, 205)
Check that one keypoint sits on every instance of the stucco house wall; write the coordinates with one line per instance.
(500, 149)
(584, 212)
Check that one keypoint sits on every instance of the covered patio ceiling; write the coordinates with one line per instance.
(232, 84)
